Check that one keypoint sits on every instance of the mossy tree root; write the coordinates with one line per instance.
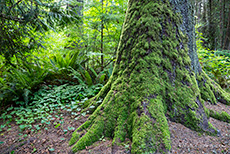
(211, 91)
(90, 105)
(219, 115)
(147, 125)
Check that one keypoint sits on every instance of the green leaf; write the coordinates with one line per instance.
(34, 150)
(91, 107)
(83, 114)
(10, 108)
(57, 125)
(65, 131)
(52, 149)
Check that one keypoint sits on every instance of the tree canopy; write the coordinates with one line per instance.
(24, 22)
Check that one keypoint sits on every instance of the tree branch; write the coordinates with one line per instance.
(21, 20)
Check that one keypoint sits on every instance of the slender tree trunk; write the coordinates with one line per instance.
(199, 11)
(227, 37)
(102, 35)
(205, 19)
(211, 24)
(221, 24)
(156, 75)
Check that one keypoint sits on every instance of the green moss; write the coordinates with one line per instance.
(192, 120)
(210, 91)
(222, 116)
(93, 135)
(78, 132)
(74, 138)
(207, 112)
(211, 127)
(153, 123)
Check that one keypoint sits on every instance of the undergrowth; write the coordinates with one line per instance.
(48, 100)
(216, 64)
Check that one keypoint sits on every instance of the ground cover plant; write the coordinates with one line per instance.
(47, 100)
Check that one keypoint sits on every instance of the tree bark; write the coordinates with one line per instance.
(156, 75)
(186, 9)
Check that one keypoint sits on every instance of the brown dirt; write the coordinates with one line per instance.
(55, 140)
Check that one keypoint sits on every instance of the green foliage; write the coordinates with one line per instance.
(70, 65)
(24, 22)
(225, 53)
(112, 15)
(100, 30)
(215, 63)
(72, 53)
(46, 101)
(21, 79)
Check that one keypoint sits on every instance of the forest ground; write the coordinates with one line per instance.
(54, 139)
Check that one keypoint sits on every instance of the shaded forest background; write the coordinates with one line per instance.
(213, 38)
(213, 19)
(56, 54)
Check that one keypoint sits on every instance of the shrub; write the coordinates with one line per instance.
(215, 63)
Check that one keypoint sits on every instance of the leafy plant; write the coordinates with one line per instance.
(46, 101)
(215, 63)
(21, 80)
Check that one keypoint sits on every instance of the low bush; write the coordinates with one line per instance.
(215, 63)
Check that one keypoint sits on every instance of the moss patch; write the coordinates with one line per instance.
(222, 116)
(211, 91)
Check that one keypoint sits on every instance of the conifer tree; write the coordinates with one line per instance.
(156, 77)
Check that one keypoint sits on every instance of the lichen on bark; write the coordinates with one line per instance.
(152, 79)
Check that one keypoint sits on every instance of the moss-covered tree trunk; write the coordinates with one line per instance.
(156, 74)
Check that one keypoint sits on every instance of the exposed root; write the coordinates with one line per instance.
(221, 115)
(211, 91)
(94, 134)
(91, 104)
(150, 132)
(147, 126)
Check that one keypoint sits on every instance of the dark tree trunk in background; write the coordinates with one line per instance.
(214, 24)
(221, 23)
(156, 75)
(227, 37)
(211, 30)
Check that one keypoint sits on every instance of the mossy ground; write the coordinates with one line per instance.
(152, 78)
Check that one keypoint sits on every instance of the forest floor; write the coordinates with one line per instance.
(55, 137)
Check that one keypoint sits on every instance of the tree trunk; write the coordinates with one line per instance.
(102, 35)
(227, 37)
(221, 24)
(156, 75)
